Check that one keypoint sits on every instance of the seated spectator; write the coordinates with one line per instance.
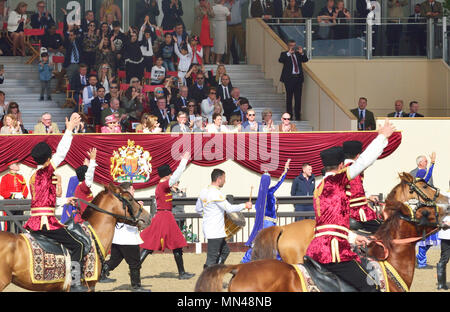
(2, 73)
(112, 125)
(106, 53)
(199, 90)
(104, 31)
(167, 52)
(132, 104)
(218, 109)
(133, 58)
(327, 14)
(235, 122)
(181, 102)
(251, 125)
(192, 111)
(151, 125)
(158, 72)
(113, 92)
(244, 106)
(217, 78)
(46, 126)
(11, 125)
(105, 76)
(292, 11)
(136, 83)
(147, 37)
(53, 42)
(184, 54)
(216, 126)
(3, 105)
(171, 88)
(366, 119)
(286, 125)
(163, 113)
(232, 104)
(181, 125)
(13, 109)
(207, 105)
(17, 21)
(191, 75)
(114, 108)
(90, 47)
(99, 103)
(267, 122)
(398, 110)
(413, 109)
(89, 93)
(224, 88)
(83, 126)
(198, 125)
(140, 127)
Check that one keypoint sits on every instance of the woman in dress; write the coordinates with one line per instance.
(105, 76)
(203, 27)
(221, 15)
(109, 7)
(112, 125)
(267, 121)
(16, 23)
(90, 44)
(134, 60)
(11, 125)
(172, 10)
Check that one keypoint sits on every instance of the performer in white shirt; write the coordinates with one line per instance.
(444, 236)
(212, 204)
(125, 245)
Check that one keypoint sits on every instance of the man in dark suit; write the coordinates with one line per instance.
(88, 18)
(146, 8)
(292, 76)
(99, 103)
(78, 81)
(199, 90)
(262, 8)
(398, 110)
(366, 119)
(163, 113)
(112, 109)
(181, 34)
(224, 89)
(232, 104)
(181, 101)
(413, 109)
(73, 45)
(417, 32)
(42, 18)
(307, 8)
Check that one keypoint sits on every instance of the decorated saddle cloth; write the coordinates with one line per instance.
(53, 267)
(376, 270)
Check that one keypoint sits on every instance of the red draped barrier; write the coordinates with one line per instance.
(257, 152)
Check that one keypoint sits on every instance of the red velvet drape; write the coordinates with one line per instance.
(257, 152)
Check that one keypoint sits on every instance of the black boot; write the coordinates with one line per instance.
(76, 285)
(441, 276)
(135, 277)
(104, 275)
(178, 255)
(144, 254)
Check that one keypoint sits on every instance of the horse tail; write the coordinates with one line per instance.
(265, 245)
(211, 279)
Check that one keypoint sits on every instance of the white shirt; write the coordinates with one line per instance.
(125, 234)
(158, 74)
(213, 205)
(86, 99)
(294, 72)
(207, 107)
(144, 50)
(185, 60)
(13, 20)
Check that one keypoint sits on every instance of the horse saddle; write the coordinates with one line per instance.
(324, 279)
(47, 244)
(364, 228)
(76, 230)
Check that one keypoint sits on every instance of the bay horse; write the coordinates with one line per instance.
(394, 244)
(109, 206)
(291, 241)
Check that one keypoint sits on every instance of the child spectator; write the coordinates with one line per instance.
(147, 37)
(185, 56)
(167, 52)
(45, 76)
(158, 72)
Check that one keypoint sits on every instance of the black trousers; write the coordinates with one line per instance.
(445, 251)
(294, 88)
(64, 237)
(130, 253)
(148, 63)
(217, 249)
(352, 273)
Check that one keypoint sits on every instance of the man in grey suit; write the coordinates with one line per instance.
(398, 110)
(422, 163)
(181, 125)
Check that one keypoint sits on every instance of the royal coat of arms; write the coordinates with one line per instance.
(131, 164)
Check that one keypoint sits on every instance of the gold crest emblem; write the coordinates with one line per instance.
(131, 164)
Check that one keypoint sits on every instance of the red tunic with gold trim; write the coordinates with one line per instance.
(43, 200)
(359, 208)
(84, 192)
(331, 205)
(163, 232)
(13, 183)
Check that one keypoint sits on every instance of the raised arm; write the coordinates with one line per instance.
(177, 174)
(89, 176)
(64, 145)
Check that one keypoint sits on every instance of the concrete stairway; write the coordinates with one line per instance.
(260, 92)
(22, 85)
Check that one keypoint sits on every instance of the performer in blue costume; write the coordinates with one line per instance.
(266, 213)
(68, 210)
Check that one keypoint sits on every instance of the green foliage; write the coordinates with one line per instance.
(189, 235)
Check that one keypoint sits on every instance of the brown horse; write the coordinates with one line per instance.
(291, 241)
(118, 204)
(395, 243)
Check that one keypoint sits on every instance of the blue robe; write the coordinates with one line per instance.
(68, 210)
(266, 213)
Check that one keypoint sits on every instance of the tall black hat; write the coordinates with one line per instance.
(164, 171)
(352, 147)
(41, 153)
(332, 156)
(81, 172)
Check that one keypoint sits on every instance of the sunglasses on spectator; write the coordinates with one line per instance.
(105, 67)
(286, 118)
(92, 25)
(251, 114)
(14, 106)
(191, 105)
(113, 87)
(200, 78)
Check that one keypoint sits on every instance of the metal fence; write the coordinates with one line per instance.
(17, 212)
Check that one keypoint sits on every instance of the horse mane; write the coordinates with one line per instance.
(404, 179)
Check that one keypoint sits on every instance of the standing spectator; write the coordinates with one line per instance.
(341, 30)
(251, 125)
(147, 37)
(363, 8)
(262, 8)
(199, 91)
(197, 51)
(90, 45)
(53, 42)
(413, 109)
(46, 126)
(112, 125)
(105, 76)
(133, 58)
(16, 24)
(99, 103)
(118, 40)
(224, 89)
(235, 31)
(11, 125)
(181, 125)
(4, 10)
(106, 53)
(185, 56)
(167, 52)
(207, 105)
(267, 122)
(327, 14)
(78, 81)
(109, 7)
(104, 30)
(366, 119)
(41, 19)
(89, 93)
(304, 185)
(221, 16)
(203, 27)
(394, 28)
(73, 44)
(292, 76)
(292, 11)
(162, 111)
(398, 110)
(431, 9)
(286, 125)
(158, 72)
(307, 8)
(88, 18)
(132, 104)
(181, 34)
(422, 163)
(146, 8)
(173, 11)
(114, 109)
(417, 32)
(45, 76)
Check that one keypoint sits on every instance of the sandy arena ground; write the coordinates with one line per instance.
(159, 273)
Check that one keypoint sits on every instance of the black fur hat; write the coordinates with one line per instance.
(164, 171)
(41, 153)
(352, 147)
(81, 172)
(332, 156)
